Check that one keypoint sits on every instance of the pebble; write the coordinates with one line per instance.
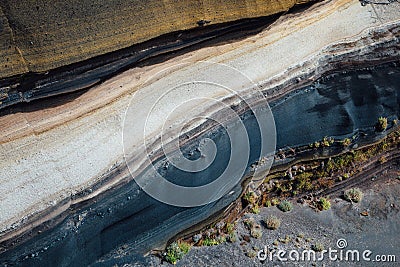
(220, 225)
(197, 238)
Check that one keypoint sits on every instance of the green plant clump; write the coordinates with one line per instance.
(327, 141)
(382, 124)
(211, 241)
(250, 197)
(255, 209)
(256, 231)
(285, 206)
(230, 227)
(353, 195)
(176, 251)
(346, 142)
(324, 203)
(272, 222)
(318, 247)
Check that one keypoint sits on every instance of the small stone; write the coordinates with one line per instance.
(246, 238)
(220, 225)
(197, 238)
(364, 213)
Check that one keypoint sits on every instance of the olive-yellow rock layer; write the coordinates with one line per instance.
(41, 35)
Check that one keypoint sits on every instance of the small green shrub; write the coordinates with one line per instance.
(382, 124)
(250, 197)
(274, 201)
(256, 231)
(285, 240)
(210, 242)
(232, 237)
(272, 222)
(229, 227)
(353, 195)
(249, 222)
(285, 206)
(324, 204)
(346, 142)
(255, 209)
(327, 141)
(303, 181)
(382, 160)
(176, 251)
(251, 253)
(317, 247)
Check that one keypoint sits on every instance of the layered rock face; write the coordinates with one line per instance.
(38, 36)
(63, 161)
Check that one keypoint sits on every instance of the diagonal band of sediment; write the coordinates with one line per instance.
(64, 181)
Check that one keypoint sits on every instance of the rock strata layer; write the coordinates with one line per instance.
(55, 158)
(37, 36)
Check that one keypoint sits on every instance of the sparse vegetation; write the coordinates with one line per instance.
(255, 209)
(176, 251)
(272, 222)
(251, 253)
(275, 201)
(249, 222)
(285, 206)
(382, 160)
(229, 227)
(382, 124)
(327, 141)
(268, 203)
(250, 197)
(317, 247)
(285, 240)
(303, 181)
(353, 195)
(208, 241)
(324, 204)
(346, 142)
(256, 231)
(322, 174)
(232, 237)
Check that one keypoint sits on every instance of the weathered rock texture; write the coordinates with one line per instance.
(41, 35)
